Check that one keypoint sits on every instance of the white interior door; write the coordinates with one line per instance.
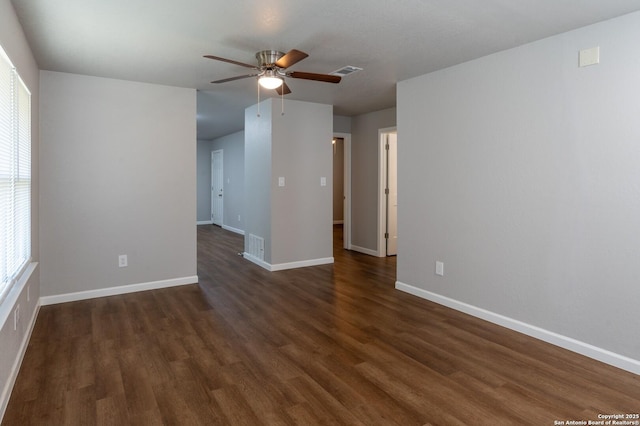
(392, 194)
(217, 184)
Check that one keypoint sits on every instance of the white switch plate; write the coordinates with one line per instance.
(323, 181)
(122, 261)
(589, 56)
(439, 268)
(281, 181)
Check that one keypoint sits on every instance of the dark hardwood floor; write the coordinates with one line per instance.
(333, 344)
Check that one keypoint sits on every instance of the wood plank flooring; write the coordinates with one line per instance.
(333, 344)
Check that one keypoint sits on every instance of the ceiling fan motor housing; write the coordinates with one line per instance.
(268, 58)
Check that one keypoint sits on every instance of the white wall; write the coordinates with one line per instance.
(257, 174)
(302, 211)
(233, 146)
(13, 342)
(295, 220)
(364, 176)
(203, 181)
(520, 171)
(118, 176)
(341, 124)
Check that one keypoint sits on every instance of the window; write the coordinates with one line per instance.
(15, 175)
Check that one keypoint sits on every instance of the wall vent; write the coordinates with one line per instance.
(346, 71)
(256, 246)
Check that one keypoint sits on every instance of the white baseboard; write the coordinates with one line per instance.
(15, 368)
(594, 352)
(204, 222)
(257, 261)
(290, 265)
(232, 229)
(112, 291)
(302, 264)
(364, 250)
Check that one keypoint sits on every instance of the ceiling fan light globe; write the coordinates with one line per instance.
(270, 82)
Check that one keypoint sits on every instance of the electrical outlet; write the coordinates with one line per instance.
(16, 317)
(238, 218)
(122, 261)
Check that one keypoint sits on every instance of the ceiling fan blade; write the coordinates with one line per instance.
(231, 61)
(327, 78)
(291, 57)
(240, 77)
(283, 90)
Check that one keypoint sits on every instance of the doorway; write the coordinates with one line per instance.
(345, 139)
(217, 185)
(388, 192)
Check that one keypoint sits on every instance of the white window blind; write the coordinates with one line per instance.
(15, 175)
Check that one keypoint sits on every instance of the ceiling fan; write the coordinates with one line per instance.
(271, 70)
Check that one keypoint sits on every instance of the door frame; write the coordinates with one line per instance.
(221, 151)
(346, 137)
(382, 184)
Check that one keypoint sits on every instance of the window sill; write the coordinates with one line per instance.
(6, 306)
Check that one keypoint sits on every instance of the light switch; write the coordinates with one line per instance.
(439, 268)
(281, 181)
(323, 181)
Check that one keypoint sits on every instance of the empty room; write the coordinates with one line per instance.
(298, 213)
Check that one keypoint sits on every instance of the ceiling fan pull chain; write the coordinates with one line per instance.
(282, 98)
(258, 99)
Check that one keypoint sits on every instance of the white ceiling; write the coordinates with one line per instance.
(162, 42)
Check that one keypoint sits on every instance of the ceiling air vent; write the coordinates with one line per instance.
(346, 71)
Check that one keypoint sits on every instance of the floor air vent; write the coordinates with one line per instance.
(256, 246)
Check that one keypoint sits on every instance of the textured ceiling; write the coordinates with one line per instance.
(162, 42)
